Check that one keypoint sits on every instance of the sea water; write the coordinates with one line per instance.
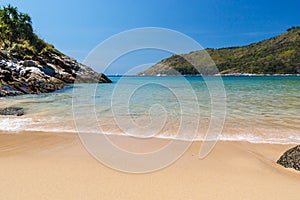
(264, 109)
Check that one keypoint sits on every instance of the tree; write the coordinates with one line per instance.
(15, 27)
(17, 36)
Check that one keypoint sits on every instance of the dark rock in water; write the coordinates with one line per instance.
(104, 79)
(291, 158)
(17, 111)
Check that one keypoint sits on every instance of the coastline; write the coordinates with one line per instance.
(214, 123)
(57, 166)
(200, 75)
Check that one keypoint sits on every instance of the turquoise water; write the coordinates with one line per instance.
(256, 108)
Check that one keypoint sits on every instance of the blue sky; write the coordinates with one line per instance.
(76, 27)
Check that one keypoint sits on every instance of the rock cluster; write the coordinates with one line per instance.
(46, 73)
(291, 158)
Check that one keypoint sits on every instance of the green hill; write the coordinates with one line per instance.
(277, 55)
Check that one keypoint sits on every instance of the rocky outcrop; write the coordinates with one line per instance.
(17, 111)
(291, 158)
(45, 73)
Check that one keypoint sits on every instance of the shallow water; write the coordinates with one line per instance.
(258, 108)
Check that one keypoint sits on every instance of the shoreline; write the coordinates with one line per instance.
(277, 141)
(233, 74)
(57, 166)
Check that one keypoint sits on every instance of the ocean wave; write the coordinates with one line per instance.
(14, 124)
(19, 125)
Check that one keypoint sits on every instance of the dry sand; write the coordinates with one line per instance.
(57, 166)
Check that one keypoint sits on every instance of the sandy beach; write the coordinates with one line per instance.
(57, 166)
(118, 100)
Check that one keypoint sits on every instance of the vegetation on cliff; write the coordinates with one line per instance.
(277, 55)
(29, 65)
(17, 38)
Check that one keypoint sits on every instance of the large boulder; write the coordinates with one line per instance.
(291, 158)
(29, 63)
(6, 90)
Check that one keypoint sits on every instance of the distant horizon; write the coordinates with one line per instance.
(75, 28)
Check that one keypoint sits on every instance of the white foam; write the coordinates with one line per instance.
(12, 125)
